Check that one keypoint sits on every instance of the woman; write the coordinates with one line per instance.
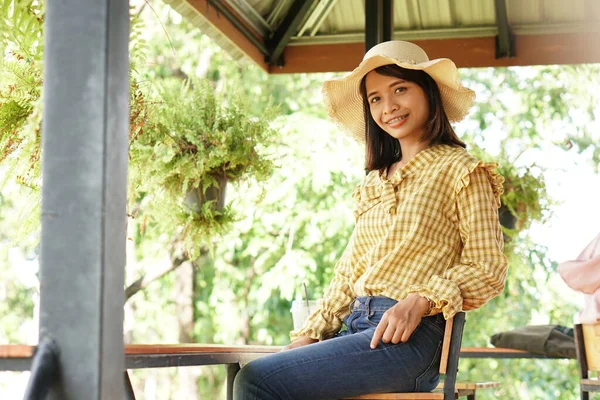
(427, 242)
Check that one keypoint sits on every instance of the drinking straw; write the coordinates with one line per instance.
(305, 293)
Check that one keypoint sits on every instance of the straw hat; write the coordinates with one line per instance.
(344, 102)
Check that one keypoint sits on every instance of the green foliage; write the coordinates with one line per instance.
(16, 302)
(18, 284)
(21, 103)
(525, 196)
(193, 141)
(296, 235)
(523, 110)
(21, 42)
(523, 379)
(526, 108)
(21, 27)
(138, 45)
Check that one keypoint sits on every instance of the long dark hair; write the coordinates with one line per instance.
(382, 149)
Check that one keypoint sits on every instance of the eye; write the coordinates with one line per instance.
(400, 89)
(374, 99)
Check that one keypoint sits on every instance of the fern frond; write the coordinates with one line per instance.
(22, 27)
(138, 47)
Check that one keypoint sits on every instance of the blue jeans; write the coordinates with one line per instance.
(345, 365)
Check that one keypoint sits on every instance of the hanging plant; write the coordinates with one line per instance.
(193, 144)
(525, 198)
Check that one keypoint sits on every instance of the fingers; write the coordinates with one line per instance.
(381, 327)
(398, 334)
(288, 347)
(406, 334)
(397, 324)
(302, 341)
(388, 332)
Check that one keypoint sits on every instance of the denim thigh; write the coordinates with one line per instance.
(346, 365)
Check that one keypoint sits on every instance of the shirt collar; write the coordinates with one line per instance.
(418, 162)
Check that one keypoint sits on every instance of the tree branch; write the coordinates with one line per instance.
(142, 282)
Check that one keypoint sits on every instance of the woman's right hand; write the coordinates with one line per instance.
(301, 341)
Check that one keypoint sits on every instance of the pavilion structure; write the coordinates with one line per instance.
(290, 36)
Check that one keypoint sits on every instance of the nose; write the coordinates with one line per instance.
(390, 105)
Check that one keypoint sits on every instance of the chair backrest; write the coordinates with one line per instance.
(450, 353)
(587, 344)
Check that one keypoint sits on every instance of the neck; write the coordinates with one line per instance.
(410, 149)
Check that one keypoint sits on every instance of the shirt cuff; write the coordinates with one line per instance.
(444, 302)
(308, 332)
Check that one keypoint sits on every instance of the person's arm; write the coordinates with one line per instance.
(583, 274)
(480, 272)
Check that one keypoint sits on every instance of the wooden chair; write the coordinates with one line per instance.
(587, 345)
(448, 368)
(469, 389)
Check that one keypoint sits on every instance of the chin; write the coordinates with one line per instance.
(401, 135)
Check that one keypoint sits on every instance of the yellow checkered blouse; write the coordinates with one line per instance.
(431, 229)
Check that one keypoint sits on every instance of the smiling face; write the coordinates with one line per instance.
(398, 106)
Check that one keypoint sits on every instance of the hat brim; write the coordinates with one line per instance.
(344, 101)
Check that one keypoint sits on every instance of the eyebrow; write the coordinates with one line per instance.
(396, 82)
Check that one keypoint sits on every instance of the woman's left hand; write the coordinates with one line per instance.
(400, 321)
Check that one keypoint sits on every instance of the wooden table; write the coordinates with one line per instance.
(19, 357)
(137, 356)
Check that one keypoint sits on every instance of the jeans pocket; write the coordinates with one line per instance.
(429, 379)
(349, 321)
(435, 323)
(374, 319)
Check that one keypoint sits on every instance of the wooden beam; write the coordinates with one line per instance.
(544, 49)
(221, 23)
(320, 58)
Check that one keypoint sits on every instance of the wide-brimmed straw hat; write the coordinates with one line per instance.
(344, 101)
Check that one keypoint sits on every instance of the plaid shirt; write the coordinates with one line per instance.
(431, 229)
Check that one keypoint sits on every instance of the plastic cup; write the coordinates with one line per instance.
(300, 311)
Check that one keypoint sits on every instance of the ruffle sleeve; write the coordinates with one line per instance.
(496, 180)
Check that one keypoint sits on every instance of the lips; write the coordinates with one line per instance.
(397, 119)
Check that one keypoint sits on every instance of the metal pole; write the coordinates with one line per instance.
(379, 22)
(505, 40)
(232, 370)
(84, 147)
(387, 20)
